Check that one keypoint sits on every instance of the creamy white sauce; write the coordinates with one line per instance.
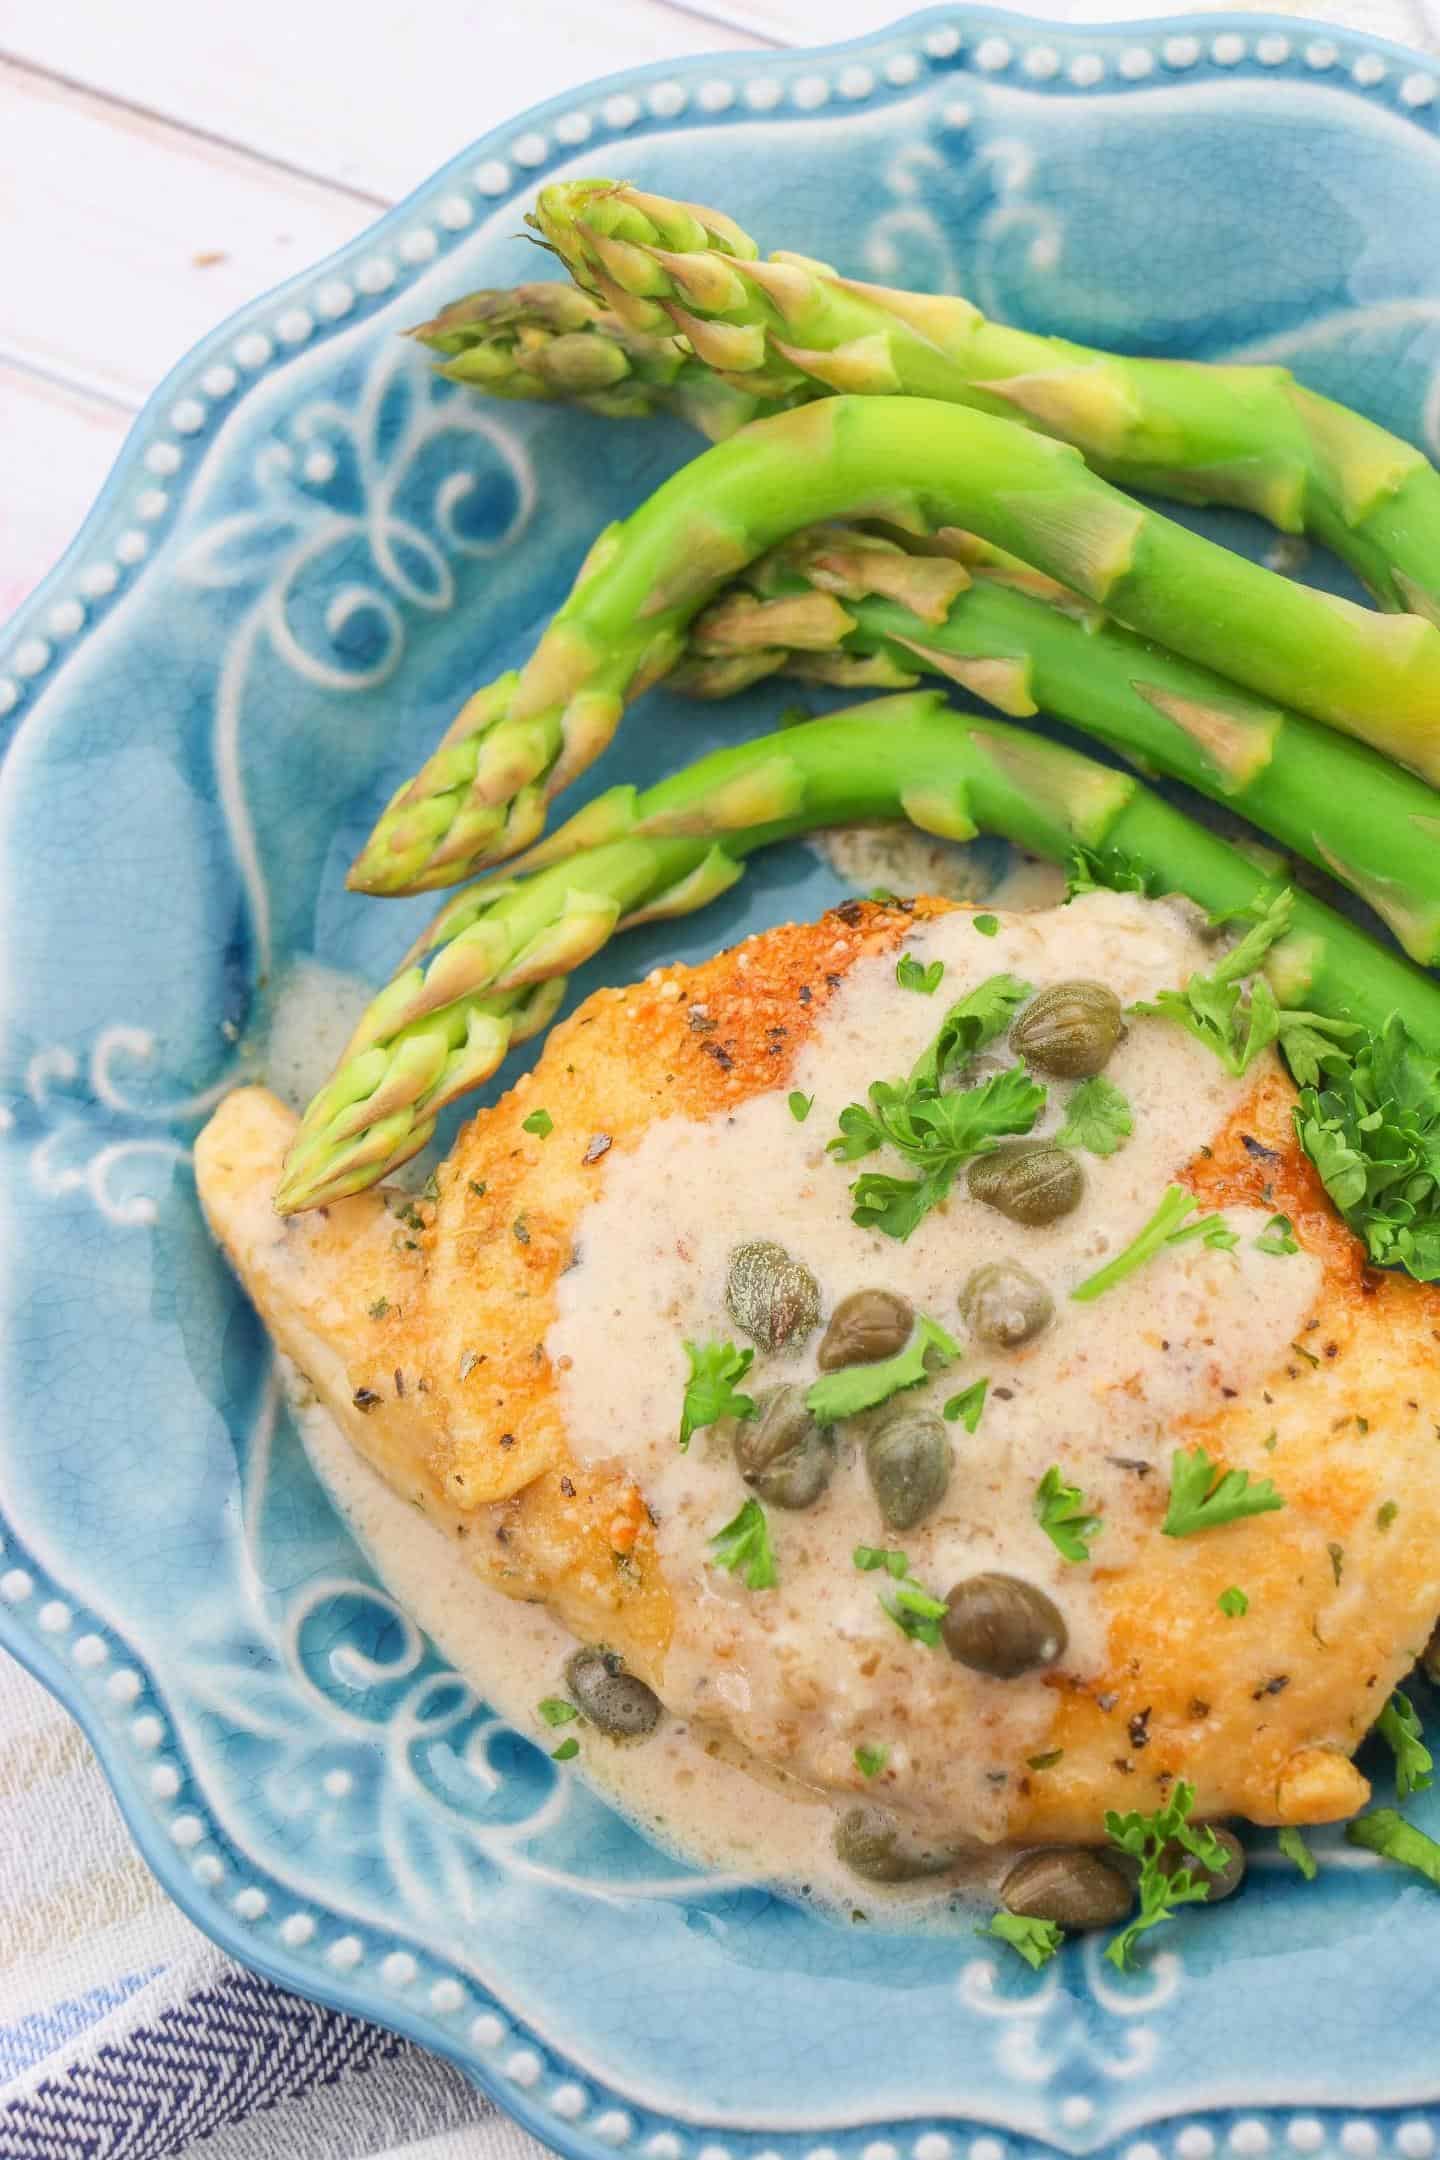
(813, 1669)
(698, 1795)
(805, 1673)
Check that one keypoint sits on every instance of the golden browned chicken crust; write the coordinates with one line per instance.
(422, 1326)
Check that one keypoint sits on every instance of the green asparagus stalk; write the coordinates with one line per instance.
(488, 972)
(552, 343)
(1248, 436)
(630, 856)
(845, 607)
(921, 466)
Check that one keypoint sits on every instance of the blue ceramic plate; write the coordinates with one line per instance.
(310, 549)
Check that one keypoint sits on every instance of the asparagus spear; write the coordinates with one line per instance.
(922, 466)
(847, 607)
(488, 972)
(551, 342)
(630, 856)
(1249, 436)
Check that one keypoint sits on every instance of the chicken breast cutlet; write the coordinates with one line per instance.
(513, 1355)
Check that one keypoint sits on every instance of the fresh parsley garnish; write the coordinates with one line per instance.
(987, 925)
(1370, 1123)
(1217, 1010)
(1062, 1514)
(1205, 1497)
(853, 1388)
(801, 1106)
(1036, 1940)
(1294, 1847)
(936, 1134)
(556, 1711)
(743, 1548)
(710, 1390)
(974, 1020)
(1277, 1237)
(1167, 1226)
(1163, 1886)
(567, 1750)
(1389, 1834)
(968, 1404)
(540, 1123)
(1102, 870)
(1097, 1118)
(934, 1131)
(908, 1603)
(1401, 1730)
(1233, 1603)
(911, 975)
(870, 1761)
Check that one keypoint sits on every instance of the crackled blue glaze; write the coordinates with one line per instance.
(309, 551)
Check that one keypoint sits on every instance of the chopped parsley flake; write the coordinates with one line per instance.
(1401, 1730)
(1233, 1603)
(1294, 1847)
(521, 1229)
(801, 1106)
(710, 1390)
(853, 1388)
(1146, 1839)
(540, 1123)
(743, 1548)
(380, 1307)
(1385, 1515)
(1235, 1024)
(968, 1405)
(478, 1187)
(567, 1750)
(1204, 1497)
(1061, 1513)
(1369, 1120)
(1389, 1834)
(1167, 1226)
(1277, 1237)
(556, 1711)
(912, 976)
(870, 1761)
(909, 1605)
(1337, 1561)
(1036, 1940)
(1097, 1118)
(1046, 1761)
(987, 925)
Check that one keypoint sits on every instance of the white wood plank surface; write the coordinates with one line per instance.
(56, 446)
(122, 241)
(371, 98)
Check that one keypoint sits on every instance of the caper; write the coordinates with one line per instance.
(1003, 1303)
(999, 1625)
(773, 1299)
(865, 1327)
(1224, 1881)
(1029, 1184)
(614, 1701)
(874, 1845)
(908, 1462)
(1070, 1885)
(782, 1452)
(1070, 1029)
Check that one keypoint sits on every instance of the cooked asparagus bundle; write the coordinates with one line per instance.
(445, 1022)
(924, 467)
(853, 609)
(1219, 433)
